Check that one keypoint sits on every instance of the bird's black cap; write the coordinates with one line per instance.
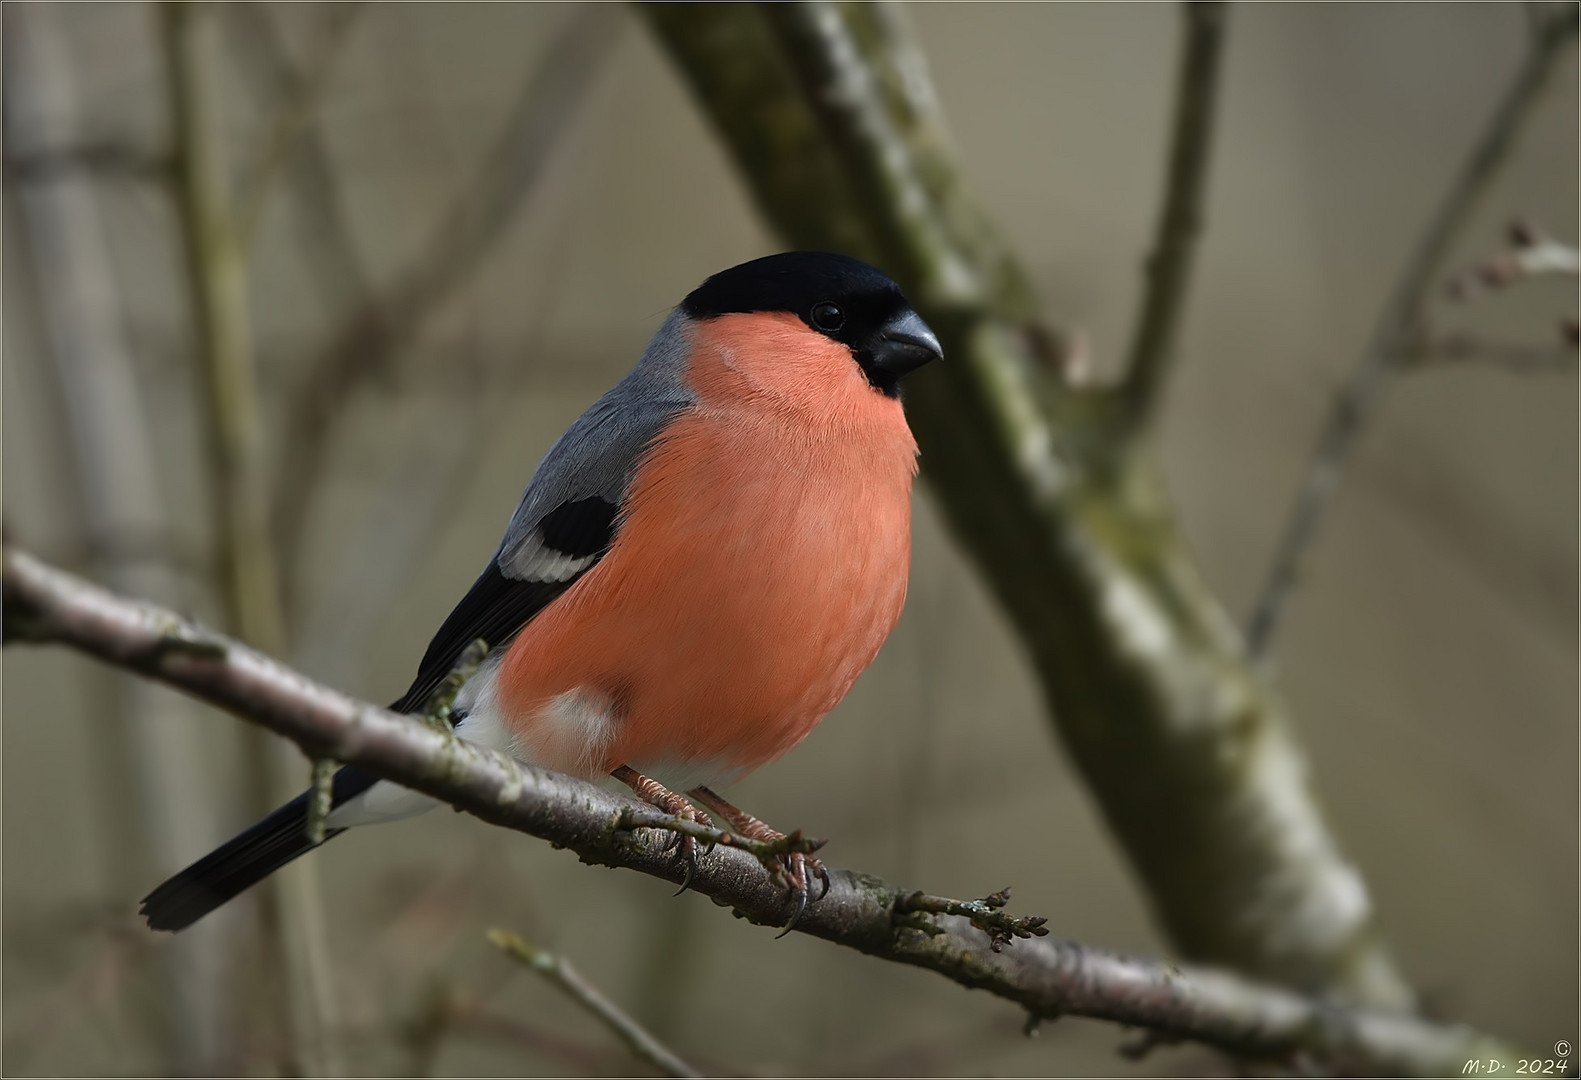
(838, 296)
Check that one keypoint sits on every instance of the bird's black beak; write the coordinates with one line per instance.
(903, 345)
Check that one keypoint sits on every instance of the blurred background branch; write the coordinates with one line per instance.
(1187, 748)
(294, 118)
(1180, 219)
(293, 919)
(289, 91)
(1400, 327)
(463, 234)
(561, 973)
(1047, 977)
(154, 737)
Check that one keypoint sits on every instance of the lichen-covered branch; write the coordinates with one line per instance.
(1397, 332)
(987, 914)
(1055, 495)
(1045, 976)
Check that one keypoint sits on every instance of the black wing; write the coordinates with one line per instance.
(498, 605)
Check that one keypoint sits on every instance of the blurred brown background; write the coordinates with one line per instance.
(1430, 657)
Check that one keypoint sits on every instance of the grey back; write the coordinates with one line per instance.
(597, 455)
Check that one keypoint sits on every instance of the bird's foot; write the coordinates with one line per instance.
(651, 791)
(788, 857)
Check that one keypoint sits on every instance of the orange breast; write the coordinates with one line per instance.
(761, 562)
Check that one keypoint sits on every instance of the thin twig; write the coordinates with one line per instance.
(986, 914)
(559, 971)
(436, 713)
(1180, 221)
(292, 120)
(443, 698)
(1044, 976)
(321, 785)
(1400, 321)
(328, 250)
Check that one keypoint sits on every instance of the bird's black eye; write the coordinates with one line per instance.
(827, 316)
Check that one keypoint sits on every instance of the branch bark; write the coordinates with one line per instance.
(1046, 977)
(1058, 499)
(1396, 335)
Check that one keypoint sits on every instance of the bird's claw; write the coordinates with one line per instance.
(801, 906)
(690, 850)
(688, 861)
(796, 871)
(787, 858)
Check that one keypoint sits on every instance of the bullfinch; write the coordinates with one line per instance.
(699, 569)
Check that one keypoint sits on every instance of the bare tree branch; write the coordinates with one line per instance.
(1044, 976)
(1169, 265)
(293, 119)
(561, 973)
(328, 249)
(464, 234)
(1400, 323)
(1188, 750)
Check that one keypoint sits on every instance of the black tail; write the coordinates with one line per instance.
(243, 861)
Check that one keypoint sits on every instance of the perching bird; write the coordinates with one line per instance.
(699, 569)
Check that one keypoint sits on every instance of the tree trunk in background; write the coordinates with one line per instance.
(1055, 492)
